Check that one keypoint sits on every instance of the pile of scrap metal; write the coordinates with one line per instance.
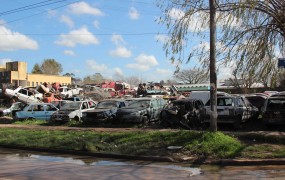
(41, 93)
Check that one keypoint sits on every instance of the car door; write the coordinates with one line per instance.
(243, 109)
(49, 110)
(155, 109)
(39, 112)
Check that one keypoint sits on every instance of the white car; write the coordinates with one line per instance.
(70, 92)
(24, 95)
(14, 106)
(73, 110)
(41, 111)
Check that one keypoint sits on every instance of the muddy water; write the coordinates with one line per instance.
(15, 164)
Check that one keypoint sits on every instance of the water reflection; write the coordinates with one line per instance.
(16, 164)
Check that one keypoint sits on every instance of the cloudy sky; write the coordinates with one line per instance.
(115, 38)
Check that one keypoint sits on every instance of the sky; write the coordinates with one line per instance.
(117, 38)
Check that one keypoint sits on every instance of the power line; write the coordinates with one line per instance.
(31, 6)
(100, 34)
(39, 13)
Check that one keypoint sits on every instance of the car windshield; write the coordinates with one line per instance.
(106, 105)
(275, 104)
(139, 103)
(71, 106)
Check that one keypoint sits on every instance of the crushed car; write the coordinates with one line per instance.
(73, 110)
(14, 107)
(105, 111)
(186, 113)
(23, 95)
(141, 110)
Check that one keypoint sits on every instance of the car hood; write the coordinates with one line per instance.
(101, 110)
(131, 109)
(66, 112)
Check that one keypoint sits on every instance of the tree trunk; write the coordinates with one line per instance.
(213, 71)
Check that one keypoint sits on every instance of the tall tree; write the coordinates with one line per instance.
(37, 69)
(249, 32)
(192, 76)
(51, 66)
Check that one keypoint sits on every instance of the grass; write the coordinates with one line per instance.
(146, 143)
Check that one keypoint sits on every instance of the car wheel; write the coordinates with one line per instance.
(145, 120)
(76, 118)
(237, 123)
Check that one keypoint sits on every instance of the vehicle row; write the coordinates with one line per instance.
(189, 113)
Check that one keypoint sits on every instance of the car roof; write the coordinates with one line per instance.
(118, 100)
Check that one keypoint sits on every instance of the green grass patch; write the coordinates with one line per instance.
(153, 143)
(216, 145)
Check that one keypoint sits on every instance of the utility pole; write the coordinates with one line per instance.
(213, 70)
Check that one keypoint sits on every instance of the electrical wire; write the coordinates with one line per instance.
(31, 6)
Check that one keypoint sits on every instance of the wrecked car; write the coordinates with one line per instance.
(273, 111)
(233, 110)
(73, 110)
(141, 110)
(41, 111)
(105, 111)
(187, 113)
(23, 95)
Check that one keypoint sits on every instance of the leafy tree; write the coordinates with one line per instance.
(50, 66)
(37, 69)
(192, 76)
(250, 31)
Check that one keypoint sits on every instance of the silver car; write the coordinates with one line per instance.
(232, 109)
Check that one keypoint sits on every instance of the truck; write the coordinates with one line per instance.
(67, 92)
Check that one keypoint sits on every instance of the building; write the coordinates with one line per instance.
(15, 73)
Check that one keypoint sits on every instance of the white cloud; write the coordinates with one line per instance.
(69, 52)
(80, 36)
(162, 38)
(118, 39)
(143, 62)
(133, 13)
(145, 59)
(11, 41)
(84, 8)
(118, 71)
(4, 61)
(67, 20)
(139, 67)
(121, 52)
(164, 71)
(96, 24)
(92, 65)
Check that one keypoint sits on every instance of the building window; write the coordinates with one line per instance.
(28, 83)
(33, 84)
(37, 83)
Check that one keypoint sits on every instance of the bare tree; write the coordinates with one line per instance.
(192, 76)
(51, 66)
(133, 80)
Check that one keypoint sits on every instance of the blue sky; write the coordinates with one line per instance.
(115, 38)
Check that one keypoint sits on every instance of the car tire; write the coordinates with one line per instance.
(76, 118)
(237, 123)
(145, 120)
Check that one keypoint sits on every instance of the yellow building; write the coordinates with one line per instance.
(16, 74)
